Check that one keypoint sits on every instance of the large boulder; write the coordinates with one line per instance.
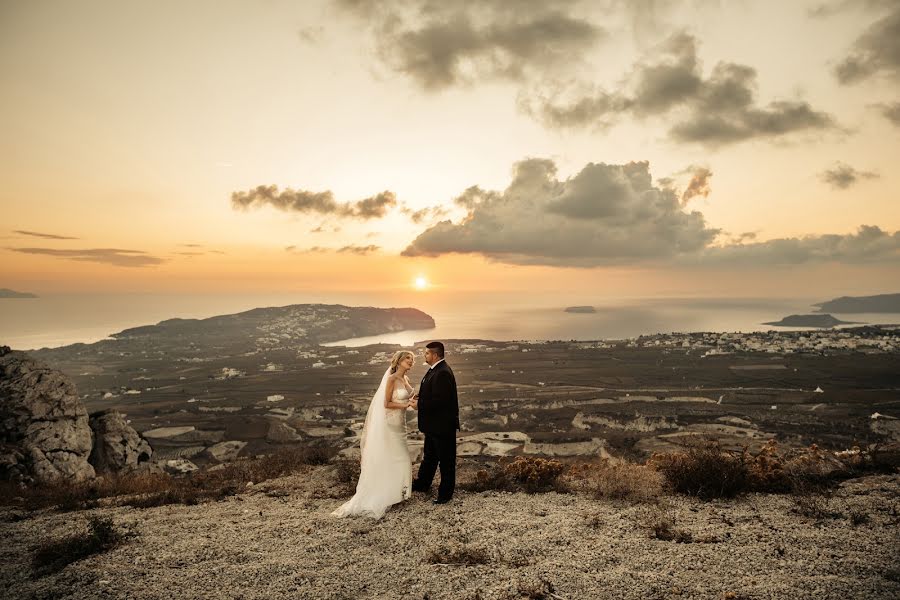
(117, 446)
(44, 430)
(225, 451)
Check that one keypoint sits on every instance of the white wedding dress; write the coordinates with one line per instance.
(385, 467)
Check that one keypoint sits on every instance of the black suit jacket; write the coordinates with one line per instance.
(438, 402)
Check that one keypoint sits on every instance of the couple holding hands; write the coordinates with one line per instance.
(386, 469)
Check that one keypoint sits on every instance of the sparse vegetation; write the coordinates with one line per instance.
(144, 490)
(626, 481)
(53, 556)
(525, 473)
(660, 521)
(459, 554)
(703, 470)
(707, 470)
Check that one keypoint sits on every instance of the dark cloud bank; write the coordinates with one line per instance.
(612, 215)
(439, 44)
(109, 256)
(303, 201)
(715, 109)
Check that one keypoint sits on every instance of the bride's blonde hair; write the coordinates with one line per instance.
(398, 356)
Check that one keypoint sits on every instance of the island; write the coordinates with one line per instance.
(8, 293)
(580, 309)
(291, 328)
(809, 321)
(882, 303)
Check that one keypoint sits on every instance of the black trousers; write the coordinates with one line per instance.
(440, 451)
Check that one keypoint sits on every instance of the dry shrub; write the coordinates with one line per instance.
(525, 473)
(814, 506)
(626, 481)
(536, 474)
(703, 470)
(766, 470)
(53, 556)
(708, 471)
(347, 472)
(660, 522)
(533, 589)
(459, 554)
(143, 489)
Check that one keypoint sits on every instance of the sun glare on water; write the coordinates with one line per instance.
(421, 283)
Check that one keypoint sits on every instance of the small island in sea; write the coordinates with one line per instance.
(580, 309)
(8, 293)
(882, 303)
(809, 321)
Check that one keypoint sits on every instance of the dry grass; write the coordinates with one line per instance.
(459, 554)
(524, 473)
(143, 490)
(703, 470)
(623, 481)
(660, 521)
(706, 470)
(53, 556)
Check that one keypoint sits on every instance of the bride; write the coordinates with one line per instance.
(386, 469)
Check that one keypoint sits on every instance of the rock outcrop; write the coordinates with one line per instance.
(117, 446)
(44, 431)
(225, 451)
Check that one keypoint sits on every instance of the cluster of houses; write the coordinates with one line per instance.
(868, 340)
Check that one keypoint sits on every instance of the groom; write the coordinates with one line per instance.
(438, 408)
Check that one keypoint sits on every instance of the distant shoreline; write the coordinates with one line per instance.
(8, 293)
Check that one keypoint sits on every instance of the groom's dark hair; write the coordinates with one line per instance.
(436, 347)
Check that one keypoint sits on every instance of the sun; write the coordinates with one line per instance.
(421, 283)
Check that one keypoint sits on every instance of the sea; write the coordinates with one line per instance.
(50, 321)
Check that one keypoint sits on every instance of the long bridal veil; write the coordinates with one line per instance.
(381, 478)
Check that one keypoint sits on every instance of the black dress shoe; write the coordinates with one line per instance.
(441, 500)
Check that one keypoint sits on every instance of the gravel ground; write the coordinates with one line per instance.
(277, 540)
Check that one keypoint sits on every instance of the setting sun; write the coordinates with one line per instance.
(421, 283)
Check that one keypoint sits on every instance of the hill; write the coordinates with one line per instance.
(276, 539)
(886, 303)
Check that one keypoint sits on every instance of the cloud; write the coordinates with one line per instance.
(716, 110)
(49, 236)
(698, 185)
(424, 214)
(868, 245)
(311, 35)
(108, 256)
(875, 52)
(362, 250)
(443, 44)
(613, 215)
(891, 112)
(606, 214)
(841, 176)
(829, 9)
(352, 249)
(304, 201)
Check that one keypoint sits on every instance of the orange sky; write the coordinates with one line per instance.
(129, 127)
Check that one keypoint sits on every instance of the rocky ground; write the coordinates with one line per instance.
(277, 540)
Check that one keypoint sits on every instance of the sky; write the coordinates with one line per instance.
(639, 148)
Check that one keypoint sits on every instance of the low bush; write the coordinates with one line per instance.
(460, 554)
(704, 470)
(626, 481)
(525, 473)
(144, 489)
(53, 556)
